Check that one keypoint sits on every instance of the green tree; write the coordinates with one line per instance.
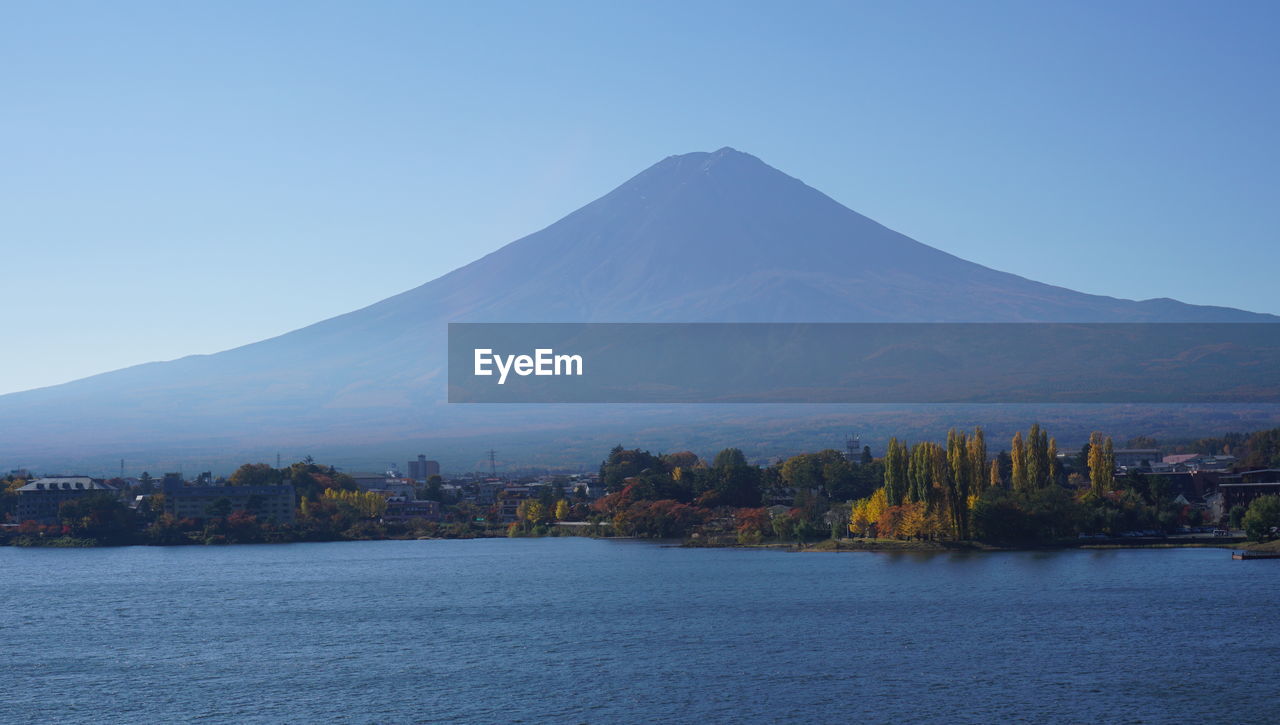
(1035, 457)
(1101, 464)
(1262, 517)
(729, 458)
(1052, 455)
(895, 472)
(99, 516)
(433, 491)
(1235, 518)
(219, 509)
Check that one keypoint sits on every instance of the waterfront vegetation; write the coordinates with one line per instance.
(926, 495)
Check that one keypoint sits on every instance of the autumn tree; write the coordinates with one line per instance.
(1018, 452)
(865, 513)
(255, 474)
(978, 461)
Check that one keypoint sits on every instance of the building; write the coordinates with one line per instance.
(1214, 510)
(422, 469)
(1196, 462)
(402, 487)
(1137, 457)
(369, 481)
(403, 509)
(268, 503)
(1242, 488)
(39, 500)
(509, 500)
(1243, 494)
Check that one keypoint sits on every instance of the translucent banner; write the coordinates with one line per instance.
(864, 363)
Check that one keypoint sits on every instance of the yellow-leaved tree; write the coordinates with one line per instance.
(866, 512)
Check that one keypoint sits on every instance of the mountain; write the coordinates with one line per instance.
(697, 237)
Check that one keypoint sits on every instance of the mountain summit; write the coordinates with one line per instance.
(698, 237)
(725, 237)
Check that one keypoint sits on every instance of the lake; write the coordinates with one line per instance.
(580, 630)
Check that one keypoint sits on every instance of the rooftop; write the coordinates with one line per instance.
(66, 483)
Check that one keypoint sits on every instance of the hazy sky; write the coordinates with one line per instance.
(184, 177)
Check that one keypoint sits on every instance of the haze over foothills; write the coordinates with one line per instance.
(189, 179)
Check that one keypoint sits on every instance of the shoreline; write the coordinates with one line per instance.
(818, 546)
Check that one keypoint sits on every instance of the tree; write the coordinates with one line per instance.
(956, 484)
(729, 458)
(1052, 454)
(978, 460)
(100, 516)
(735, 483)
(752, 523)
(895, 472)
(865, 513)
(1018, 452)
(1142, 442)
(434, 490)
(1235, 517)
(623, 464)
(219, 509)
(562, 510)
(1036, 464)
(531, 510)
(255, 474)
(1262, 518)
(1101, 464)
(920, 471)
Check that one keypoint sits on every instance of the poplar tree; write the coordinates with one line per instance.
(895, 472)
(1053, 461)
(1102, 464)
(1018, 453)
(1109, 460)
(918, 473)
(1035, 474)
(958, 482)
(978, 460)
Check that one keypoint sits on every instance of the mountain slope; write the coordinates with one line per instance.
(698, 237)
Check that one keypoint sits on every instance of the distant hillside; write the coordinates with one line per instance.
(698, 237)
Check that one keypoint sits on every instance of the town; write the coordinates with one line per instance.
(1030, 494)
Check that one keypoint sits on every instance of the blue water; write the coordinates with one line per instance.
(578, 630)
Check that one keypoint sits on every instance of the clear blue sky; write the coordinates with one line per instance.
(184, 177)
